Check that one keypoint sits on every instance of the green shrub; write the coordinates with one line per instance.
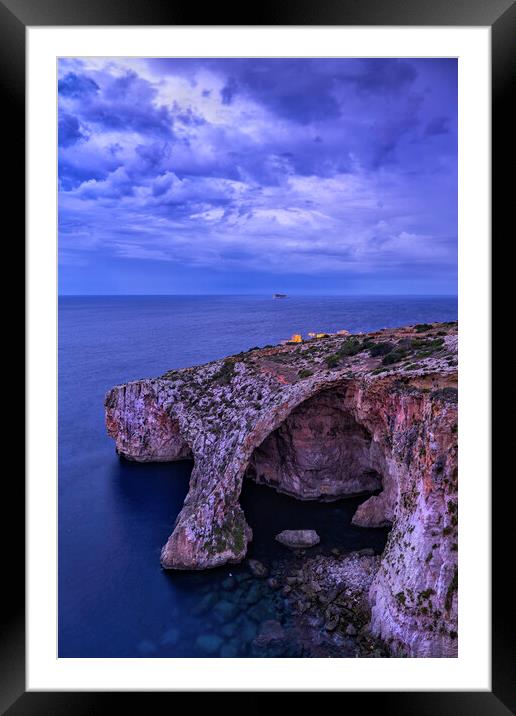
(304, 373)
(350, 347)
(426, 593)
(381, 349)
(427, 343)
(405, 343)
(225, 374)
(394, 357)
(332, 361)
(422, 327)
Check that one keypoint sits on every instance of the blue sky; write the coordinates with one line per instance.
(309, 176)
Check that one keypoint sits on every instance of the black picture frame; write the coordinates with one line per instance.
(500, 15)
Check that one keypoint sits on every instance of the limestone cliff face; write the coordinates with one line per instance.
(322, 420)
(142, 427)
(413, 596)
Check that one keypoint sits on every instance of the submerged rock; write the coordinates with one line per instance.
(257, 568)
(224, 611)
(271, 632)
(209, 643)
(146, 647)
(170, 637)
(229, 629)
(230, 650)
(247, 629)
(204, 605)
(242, 577)
(297, 539)
(229, 584)
(252, 596)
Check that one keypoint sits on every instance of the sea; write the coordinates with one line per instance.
(114, 599)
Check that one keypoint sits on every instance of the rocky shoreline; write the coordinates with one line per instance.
(328, 598)
(299, 606)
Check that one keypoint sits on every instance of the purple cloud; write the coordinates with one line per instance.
(303, 166)
(69, 130)
(438, 125)
(76, 86)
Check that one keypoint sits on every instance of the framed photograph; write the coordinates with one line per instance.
(258, 261)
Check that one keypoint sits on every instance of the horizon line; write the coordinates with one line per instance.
(288, 295)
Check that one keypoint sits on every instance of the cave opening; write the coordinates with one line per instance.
(324, 464)
(319, 452)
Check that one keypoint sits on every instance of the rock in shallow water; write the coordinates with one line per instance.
(252, 595)
(271, 632)
(297, 539)
(170, 637)
(204, 605)
(209, 643)
(246, 630)
(146, 647)
(224, 611)
(229, 629)
(257, 568)
(230, 650)
(229, 584)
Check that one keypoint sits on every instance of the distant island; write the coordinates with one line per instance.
(279, 295)
(327, 417)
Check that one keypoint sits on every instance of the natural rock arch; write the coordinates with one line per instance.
(222, 412)
(211, 529)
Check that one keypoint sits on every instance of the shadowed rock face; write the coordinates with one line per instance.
(318, 452)
(286, 418)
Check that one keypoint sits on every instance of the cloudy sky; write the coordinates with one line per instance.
(314, 176)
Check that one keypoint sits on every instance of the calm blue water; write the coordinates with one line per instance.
(114, 516)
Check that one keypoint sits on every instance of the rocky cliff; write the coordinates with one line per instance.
(329, 418)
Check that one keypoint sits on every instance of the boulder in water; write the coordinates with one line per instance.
(298, 539)
(257, 568)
